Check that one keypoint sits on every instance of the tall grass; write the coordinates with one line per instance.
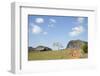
(52, 55)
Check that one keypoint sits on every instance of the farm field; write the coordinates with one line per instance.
(53, 55)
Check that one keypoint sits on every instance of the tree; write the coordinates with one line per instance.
(57, 45)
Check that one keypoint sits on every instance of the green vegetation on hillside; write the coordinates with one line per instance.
(85, 48)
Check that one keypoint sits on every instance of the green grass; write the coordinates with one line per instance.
(50, 55)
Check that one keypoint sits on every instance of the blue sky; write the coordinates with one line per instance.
(46, 30)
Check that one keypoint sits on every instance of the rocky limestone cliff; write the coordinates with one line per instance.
(78, 48)
(76, 44)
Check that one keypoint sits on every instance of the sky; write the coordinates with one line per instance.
(46, 30)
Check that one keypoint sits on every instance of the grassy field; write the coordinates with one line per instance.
(49, 55)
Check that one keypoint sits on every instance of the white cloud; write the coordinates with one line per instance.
(36, 29)
(52, 20)
(32, 24)
(80, 20)
(76, 31)
(45, 33)
(51, 25)
(39, 20)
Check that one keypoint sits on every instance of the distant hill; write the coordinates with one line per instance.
(39, 48)
(72, 44)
